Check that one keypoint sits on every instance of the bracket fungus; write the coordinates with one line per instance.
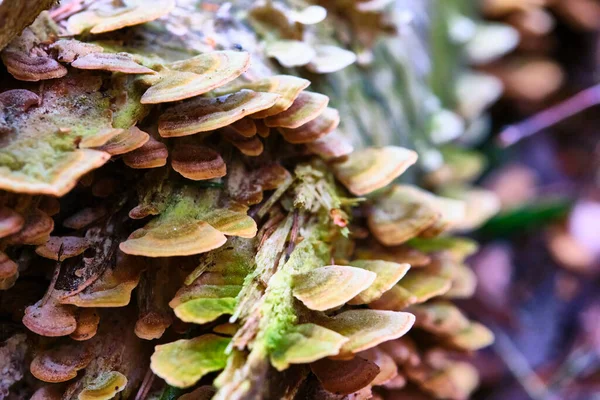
(202, 209)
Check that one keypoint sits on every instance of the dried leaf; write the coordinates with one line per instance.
(112, 288)
(66, 246)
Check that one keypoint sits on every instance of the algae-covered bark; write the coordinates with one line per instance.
(217, 216)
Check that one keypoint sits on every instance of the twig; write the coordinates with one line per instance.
(54, 278)
(545, 119)
(293, 235)
(580, 360)
(519, 366)
(145, 386)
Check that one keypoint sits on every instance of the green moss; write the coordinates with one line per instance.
(279, 315)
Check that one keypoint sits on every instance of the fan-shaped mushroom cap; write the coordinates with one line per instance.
(60, 364)
(113, 62)
(473, 338)
(388, 274)
(9, 272)
(126, 141)
(306, 343)
(84, 217)
(177, 238)
(41, 152)
(345, 376)
(25, 67)
(113, 288)
(87, 324)
(290, 53)
(441, 318)
(10, 221)
(194, 76)
(330, 59)
(152, 154)
(205, 114)
(368, 328)
(50, 319)
(183, 362)
(306, 107)
(288, 88)
(406, 211)
(197, 162)
(315, 129)
(250, 146)
(245, 127)
(365, 171)
(330, 286)
(110, 16)
(331, 146)
(70, 49)
(104, 387)
(232, 222)
(35, 230)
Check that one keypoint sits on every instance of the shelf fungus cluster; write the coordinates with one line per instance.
(191, 223)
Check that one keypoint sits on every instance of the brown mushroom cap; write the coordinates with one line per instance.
(205, 114)
(197, 162)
